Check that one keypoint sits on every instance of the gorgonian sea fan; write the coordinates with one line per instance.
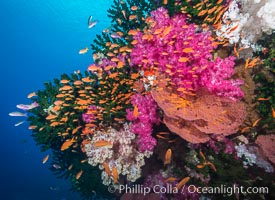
(184, 54)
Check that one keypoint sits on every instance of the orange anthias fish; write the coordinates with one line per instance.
(70, 167)
(46, 158)
(32, 127)
(134, 75)
(171, 179)
(132, 17)
(211, 165)
(115, 174)
(135, 112)
(202, 155)
(83, 51)
(236, 52)
(256, 122)
(107, 169)
(78, 82)
(166, 31)
(50, 117)
(182, 182)
(183, 59)
(188, 50)
(168, 156)
(102, 143)
(31, 95)
(133, 8)
(263, 99)
(76, 129)
(64, 81)
(273, 112)
(205, 163)
(67, 144)
(203, 12)
(245, 129)
(252, 63)
(78, 175)
(132, 32)
(93, 67)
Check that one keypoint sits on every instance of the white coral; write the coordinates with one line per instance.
(251, 17)
(123, 153)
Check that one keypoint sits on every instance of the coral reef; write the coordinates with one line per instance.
(166, 103)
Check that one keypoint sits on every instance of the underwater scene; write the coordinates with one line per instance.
(148, 99)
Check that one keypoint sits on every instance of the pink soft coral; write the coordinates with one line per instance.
(143, 123)
(89, 115)
(183, 54)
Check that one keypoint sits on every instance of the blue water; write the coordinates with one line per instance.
(40, 40)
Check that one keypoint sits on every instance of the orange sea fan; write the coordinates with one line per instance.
(195, 118)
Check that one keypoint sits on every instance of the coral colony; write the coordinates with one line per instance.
(180, 97)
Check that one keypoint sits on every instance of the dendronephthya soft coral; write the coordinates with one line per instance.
(177, 49)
